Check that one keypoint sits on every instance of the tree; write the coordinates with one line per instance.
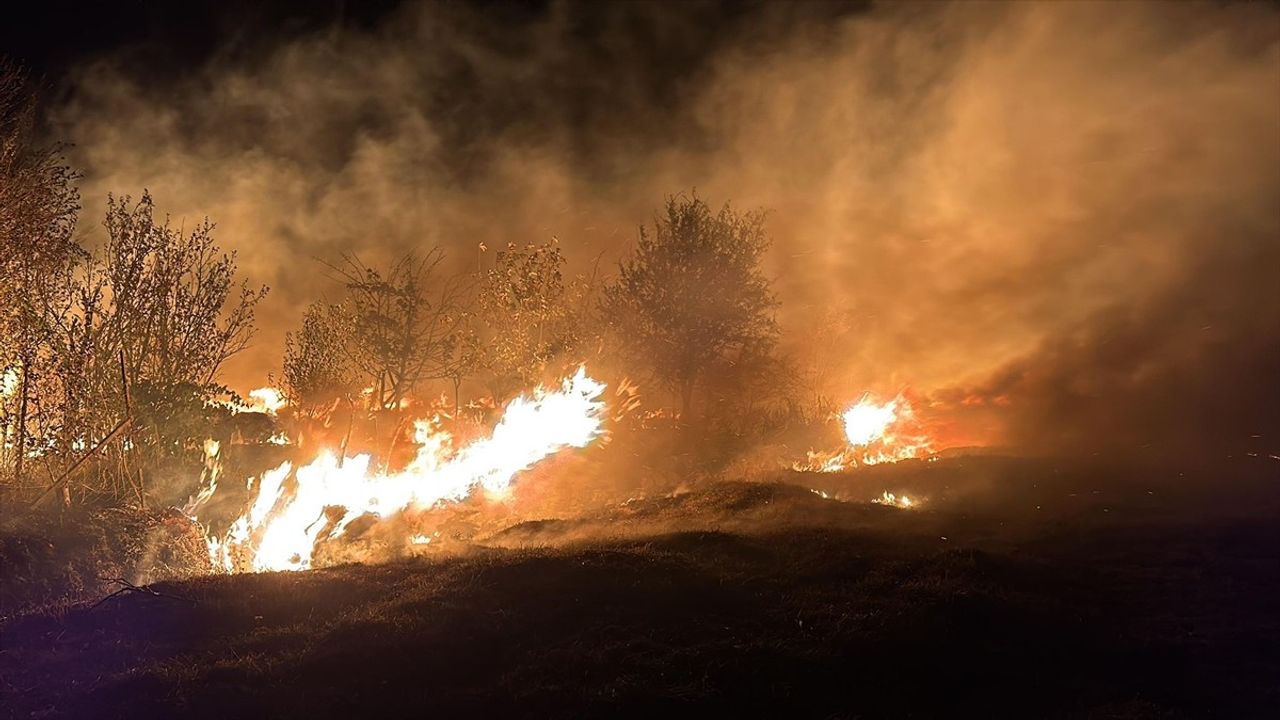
(38, 208)
(39, 202)
(400, 323)
(158, 306)
(693, 294)
(530, 313)
(174, 308)
(466, 354)
(317, 370)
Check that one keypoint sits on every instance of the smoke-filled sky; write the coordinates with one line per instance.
(1066, 211)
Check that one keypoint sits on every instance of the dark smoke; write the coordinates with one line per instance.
(1073, 208)
(1196, 368)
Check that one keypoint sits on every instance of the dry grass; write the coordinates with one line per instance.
(859, 612)
(53, 560)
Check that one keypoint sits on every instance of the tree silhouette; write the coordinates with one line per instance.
(530, 315)
(401, 322)
(692, 294)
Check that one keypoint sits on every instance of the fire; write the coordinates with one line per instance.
(898, 501)
(295, 509)
(267, 400)
(886, 498)
(866, 421)
(874, 433)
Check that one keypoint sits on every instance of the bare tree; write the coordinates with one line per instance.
(401, 322)
(158, 309)
(175, 307)
(466, 355)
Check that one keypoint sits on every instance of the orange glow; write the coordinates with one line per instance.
(898, 501)
(874, 433)
(292, 509)
(268, 400)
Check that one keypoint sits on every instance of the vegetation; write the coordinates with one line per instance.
(317, 367)
(530, 316)
(806, 608)
(52, 563)
(123, 343)
(693, 296)
(1037, 595)
(110, 356)
(398, 326)
(130, 338)
(38, 206)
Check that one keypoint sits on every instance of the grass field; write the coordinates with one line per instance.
(1019, 589)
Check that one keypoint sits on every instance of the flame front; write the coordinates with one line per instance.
(267, 400)
(898, 501)
(867, 422)
(280, 529)
(874, 433)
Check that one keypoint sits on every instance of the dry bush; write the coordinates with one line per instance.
(54, 560)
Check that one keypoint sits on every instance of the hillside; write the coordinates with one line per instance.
(735, 598)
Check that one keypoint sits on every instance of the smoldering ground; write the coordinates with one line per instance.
(1070, 208)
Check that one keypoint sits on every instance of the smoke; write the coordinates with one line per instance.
(1068, 212)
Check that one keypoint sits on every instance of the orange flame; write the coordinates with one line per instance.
(874, 433)
(279, 531)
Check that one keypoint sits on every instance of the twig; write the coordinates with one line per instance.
(124, 424)
(126, 587)
(140, 488)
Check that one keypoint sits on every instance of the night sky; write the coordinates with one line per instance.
(165, 37)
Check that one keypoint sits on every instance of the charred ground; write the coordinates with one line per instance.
(1038, 594)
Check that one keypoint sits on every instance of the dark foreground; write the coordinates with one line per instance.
(783, 604)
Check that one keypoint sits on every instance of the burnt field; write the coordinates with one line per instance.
(1018, 589)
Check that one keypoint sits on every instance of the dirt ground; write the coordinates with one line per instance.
(1018, 589)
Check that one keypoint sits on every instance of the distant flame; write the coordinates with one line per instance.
(268, 400)
(886, 498)
(866, 421)
(875, 433)
(898, 501)
(265, 400)
(280, 529)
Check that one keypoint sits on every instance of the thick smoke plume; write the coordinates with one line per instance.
(1066, 214)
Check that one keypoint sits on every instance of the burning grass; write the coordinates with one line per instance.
(292, 511)
(874, 433)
